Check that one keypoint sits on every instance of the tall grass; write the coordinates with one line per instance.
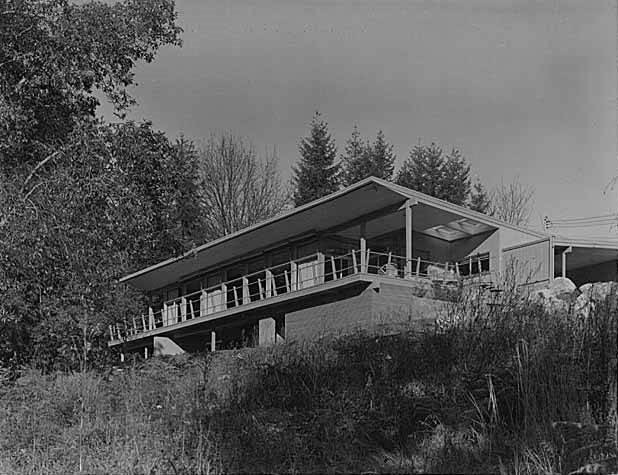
(500, 385)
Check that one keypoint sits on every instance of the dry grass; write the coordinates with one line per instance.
(505, 389)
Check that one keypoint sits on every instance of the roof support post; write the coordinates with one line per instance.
(551, 259)
(213, 340)
(409, 238)
(363, 247)
(564, 253)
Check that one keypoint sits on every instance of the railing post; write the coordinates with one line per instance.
(332, 263)
(418, 266)
(246, 298)
(111, 333)
(223, 296)
(354, 264)
(321, 268)
(294, 275)
(144, 327)
(183, 309)
(151, 318)
(363, 248)
(203, 303)
(268, 281)
(165, 314)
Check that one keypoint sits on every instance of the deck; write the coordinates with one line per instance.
(294, 280)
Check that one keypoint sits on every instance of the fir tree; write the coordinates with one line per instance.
(354, 159)
(316, 174)
(480, 199)
(363, 159)
(382, 158)
(429, 171)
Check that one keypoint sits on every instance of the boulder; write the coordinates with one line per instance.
(599, 291)
(583, 305)
(562, 287)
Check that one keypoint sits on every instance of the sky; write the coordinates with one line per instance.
(525, 89)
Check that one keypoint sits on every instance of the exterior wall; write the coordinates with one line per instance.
(529, 263)
(388, 305)
(479, 244)
(606, 271)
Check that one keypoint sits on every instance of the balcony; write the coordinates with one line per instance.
(300, 277)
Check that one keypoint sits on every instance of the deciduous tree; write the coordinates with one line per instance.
(236, 187)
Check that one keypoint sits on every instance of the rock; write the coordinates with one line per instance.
(562, 287)
(599, 291)
(583, 305)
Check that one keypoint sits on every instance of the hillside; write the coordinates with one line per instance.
(514, 390)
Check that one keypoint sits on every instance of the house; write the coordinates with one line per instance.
(372, 253)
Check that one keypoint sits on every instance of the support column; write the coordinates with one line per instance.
(409, 238)
(564, 253)
(363, 247)
(267, 331)
(213, 341)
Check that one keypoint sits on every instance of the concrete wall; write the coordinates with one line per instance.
(527, 264)
(604, 272)
(382, 305)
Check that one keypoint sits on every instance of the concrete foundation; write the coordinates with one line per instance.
(267, 333)
(164, 346)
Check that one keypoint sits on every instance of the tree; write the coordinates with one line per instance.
(316, 174)
(430, 171)
(364, 159)
(512, 202)
(54, 55)
(480, 199)
(236, 187)
(354, 158)
(382, 158)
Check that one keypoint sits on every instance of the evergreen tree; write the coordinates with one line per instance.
(382, 158)
(363, 159)
(480, 199)
(354, 160)
(316, 174)
(429, 171)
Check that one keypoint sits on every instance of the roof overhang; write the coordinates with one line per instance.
(436, 217)
(586, 252)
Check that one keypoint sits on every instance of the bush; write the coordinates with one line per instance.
(504, 388)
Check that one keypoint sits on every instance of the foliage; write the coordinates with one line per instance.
(55, 54)
(480, 199)
(429, 170)
(110, 204)
(506, 388)
(363, 159)
(316, 174)
(512, 202)
(236, 187)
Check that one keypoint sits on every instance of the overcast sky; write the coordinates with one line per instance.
(522, 88)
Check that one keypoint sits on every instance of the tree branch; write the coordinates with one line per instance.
(38, 166)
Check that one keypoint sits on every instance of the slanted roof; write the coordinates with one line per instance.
(365, 197)
(586, 252)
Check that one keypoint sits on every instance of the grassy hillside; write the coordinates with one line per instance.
(509, 389)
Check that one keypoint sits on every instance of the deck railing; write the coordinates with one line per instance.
(306, 272)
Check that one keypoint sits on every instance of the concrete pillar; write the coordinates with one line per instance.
(164, 346)
(267, 331)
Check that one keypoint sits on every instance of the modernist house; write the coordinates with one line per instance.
(372, 253)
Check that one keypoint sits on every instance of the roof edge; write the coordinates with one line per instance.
(274, 219)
